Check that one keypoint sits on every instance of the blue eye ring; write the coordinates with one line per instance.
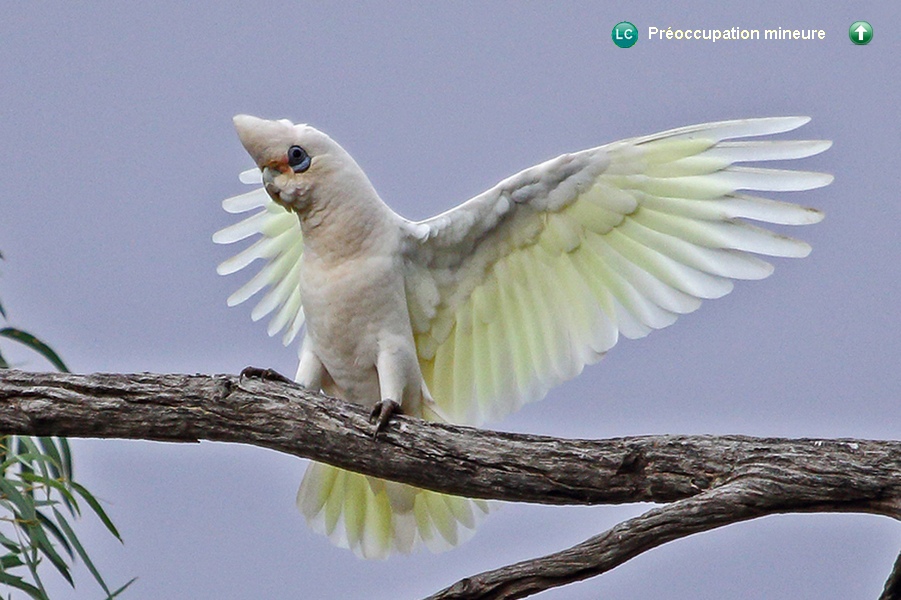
(298, 159)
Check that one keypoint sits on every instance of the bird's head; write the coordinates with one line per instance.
(295, 159)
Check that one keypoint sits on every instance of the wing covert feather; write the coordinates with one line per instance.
(519, 288)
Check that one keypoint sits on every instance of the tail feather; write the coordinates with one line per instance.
(375, 518)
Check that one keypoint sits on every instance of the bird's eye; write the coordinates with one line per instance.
(298, 159)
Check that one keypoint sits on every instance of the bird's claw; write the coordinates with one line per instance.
(382, 413)
(263, 374)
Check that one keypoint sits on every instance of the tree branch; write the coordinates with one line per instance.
(708, 510)
(709, 481)
(892, 589)
(739, 500)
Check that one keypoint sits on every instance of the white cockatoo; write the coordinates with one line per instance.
(466, 316)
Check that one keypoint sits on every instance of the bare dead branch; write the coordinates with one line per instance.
(709, 481)
(892, 589)
(739, 500)
(708, 510)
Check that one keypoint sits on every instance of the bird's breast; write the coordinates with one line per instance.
(350, 307)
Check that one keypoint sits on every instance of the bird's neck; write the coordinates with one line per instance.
(350, 221)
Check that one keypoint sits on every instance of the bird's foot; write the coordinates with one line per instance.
(263, 374)
(382, 413)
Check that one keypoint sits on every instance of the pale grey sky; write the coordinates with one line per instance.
(119, 149)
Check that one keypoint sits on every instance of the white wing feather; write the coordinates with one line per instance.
(519, 288)
(280, 244)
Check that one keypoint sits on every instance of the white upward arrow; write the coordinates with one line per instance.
(860, 31)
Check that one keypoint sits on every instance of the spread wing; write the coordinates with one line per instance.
(519, 288)
(280, 245)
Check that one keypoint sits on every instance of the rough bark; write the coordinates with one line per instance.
(892, 589)
(705, 481)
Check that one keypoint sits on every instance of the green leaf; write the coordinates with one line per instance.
(121, 589)
(23, 337)
(20, 584)
(50, 526)
(48, 446)
(11, 545)
(10, 561)
(25, 445)
(95, 506)
(60, 486)
(66, 457)
(43, 544)
(80, 550)
(2, 312)
(33, 560)
(24, 508)
(23, 459)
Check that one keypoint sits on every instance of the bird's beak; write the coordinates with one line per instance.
(269, 175)
(251, 133)
(261, 138)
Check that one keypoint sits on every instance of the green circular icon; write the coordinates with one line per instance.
(624, 34)
(860, 33)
